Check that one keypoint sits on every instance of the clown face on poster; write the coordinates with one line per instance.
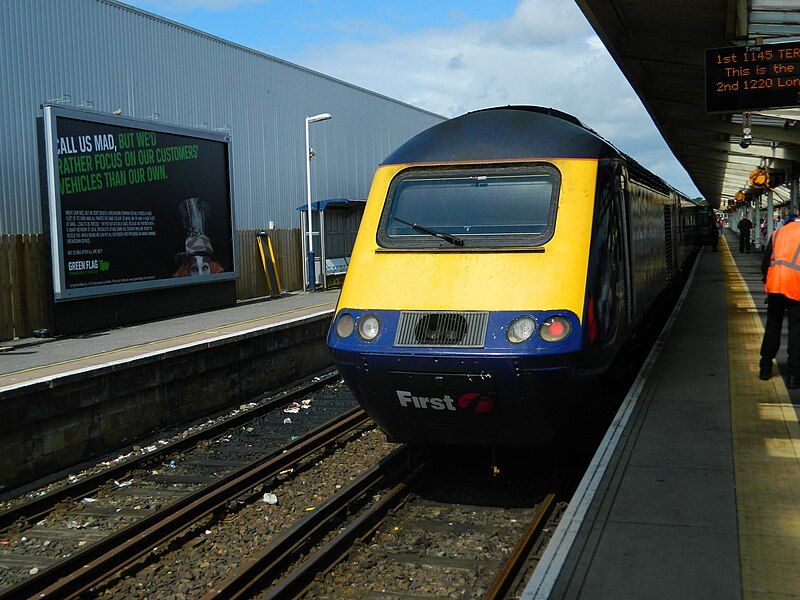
(135, 205)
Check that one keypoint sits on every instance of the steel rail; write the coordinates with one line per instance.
(37, 508)
(505, 577)
(364, 526)
(260, 570)
(88, 568)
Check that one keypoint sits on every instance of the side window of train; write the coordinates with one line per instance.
(615, 248)
(621, 201)
(621, 209)
(617, 220)
(612, 247)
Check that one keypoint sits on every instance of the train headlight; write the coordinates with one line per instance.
(345, 325)
(369, 327)
(520, 330)
(555, 329)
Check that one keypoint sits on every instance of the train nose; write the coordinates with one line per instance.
(488, 403)
(475, 377)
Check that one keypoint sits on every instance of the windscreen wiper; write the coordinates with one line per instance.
(456, 241)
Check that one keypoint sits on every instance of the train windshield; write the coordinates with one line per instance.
(487, 207)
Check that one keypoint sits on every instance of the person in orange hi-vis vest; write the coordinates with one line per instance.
(781, 269)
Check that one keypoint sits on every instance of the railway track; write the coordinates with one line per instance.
(129, 497)
(392, 517)
(36, 507)
(385, 520)
(267, 565)
(380, 562)
(84, 570)
(343, 477)
(391, 546)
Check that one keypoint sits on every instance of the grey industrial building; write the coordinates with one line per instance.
(105, 56)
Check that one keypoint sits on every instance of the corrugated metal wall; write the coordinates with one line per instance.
(117, 57)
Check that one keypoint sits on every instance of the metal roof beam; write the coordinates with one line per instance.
(749, 161)
(718, 173)
(721, 167)
(744, 167)
(691, 146)
(769, 134)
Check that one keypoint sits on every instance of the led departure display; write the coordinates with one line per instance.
(745, 78)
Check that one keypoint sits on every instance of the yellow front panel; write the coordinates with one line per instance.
(477, 280)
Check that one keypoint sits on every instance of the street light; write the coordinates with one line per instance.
(311, 267)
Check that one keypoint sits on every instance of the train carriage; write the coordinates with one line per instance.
(503, 259)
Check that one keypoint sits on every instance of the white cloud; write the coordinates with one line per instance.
(540, 23)
(545, 54)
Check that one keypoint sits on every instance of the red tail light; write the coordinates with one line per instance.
(555, 329)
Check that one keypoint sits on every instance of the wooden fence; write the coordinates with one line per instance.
(288, 255)
(25, 280)
(24, 285)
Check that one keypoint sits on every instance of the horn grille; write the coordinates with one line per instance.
(441, 329)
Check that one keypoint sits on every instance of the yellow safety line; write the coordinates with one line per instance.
(766, 446)
(126, 349)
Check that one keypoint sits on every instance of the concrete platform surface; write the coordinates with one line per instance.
(698, 495)
(30, 359)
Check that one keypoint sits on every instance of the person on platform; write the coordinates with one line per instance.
(781, 270)
(744, 226)
(713, 231)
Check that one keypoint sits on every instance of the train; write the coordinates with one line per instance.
(504, 258)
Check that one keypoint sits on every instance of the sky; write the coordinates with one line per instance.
(448, 57)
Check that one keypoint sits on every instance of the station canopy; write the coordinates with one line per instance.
(660, 47)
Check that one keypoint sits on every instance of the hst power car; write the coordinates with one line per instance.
(503, 259)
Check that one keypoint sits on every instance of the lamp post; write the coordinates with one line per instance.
(310, 265)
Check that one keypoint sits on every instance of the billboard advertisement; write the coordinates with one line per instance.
(135, 205)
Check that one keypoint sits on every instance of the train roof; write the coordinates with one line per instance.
(503, 133)
(516, 132)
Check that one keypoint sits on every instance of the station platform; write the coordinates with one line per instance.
(695, 490)
(27, 360)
